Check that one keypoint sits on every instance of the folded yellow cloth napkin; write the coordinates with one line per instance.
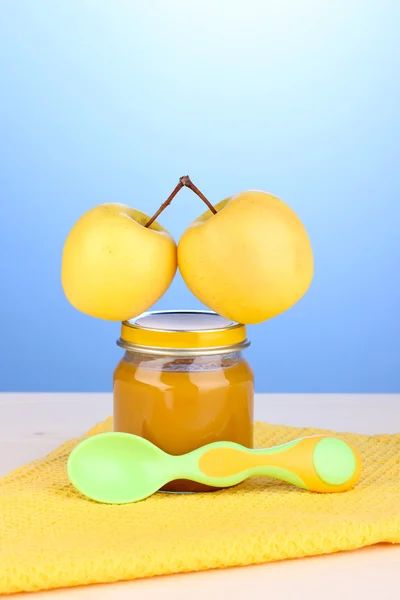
(50, 536)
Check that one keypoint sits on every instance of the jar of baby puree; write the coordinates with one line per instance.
(183, 383)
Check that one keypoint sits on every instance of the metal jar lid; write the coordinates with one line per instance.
(182, 333)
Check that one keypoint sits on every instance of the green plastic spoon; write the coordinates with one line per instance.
(117, 468)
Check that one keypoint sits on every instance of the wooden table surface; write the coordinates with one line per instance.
(32, 425)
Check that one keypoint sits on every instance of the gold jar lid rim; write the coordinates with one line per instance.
(183, 332)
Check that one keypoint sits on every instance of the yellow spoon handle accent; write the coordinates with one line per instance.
(318, 463)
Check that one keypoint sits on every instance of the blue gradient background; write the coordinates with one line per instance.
(113, 101)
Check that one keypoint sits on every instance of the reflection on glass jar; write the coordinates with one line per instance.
(193, 388)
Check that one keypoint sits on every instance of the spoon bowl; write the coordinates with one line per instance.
(116, 468)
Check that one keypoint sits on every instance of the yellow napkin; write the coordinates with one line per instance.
(52, 537)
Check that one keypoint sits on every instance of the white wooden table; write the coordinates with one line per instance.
(32, 425)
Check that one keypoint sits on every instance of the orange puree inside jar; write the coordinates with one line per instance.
(190, 387)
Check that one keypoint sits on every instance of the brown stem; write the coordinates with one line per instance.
(186, 181)
(165, 204)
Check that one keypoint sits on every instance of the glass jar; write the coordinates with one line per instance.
(183, 383)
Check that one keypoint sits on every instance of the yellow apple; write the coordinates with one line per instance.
(250, 261)
(112, 266)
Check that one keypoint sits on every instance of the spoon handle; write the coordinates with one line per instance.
(318, 463)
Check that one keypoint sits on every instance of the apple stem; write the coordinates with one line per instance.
(187, 182)
(164, 205)
(184, 181)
